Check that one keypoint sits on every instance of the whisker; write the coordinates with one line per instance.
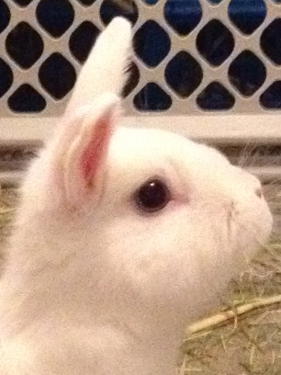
(247, 154)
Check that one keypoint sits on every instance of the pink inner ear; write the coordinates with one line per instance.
(95, 151)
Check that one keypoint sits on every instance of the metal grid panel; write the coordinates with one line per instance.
(183, 99)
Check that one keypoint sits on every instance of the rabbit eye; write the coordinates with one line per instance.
(152, 196)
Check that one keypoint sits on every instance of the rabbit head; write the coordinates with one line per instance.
(135, 223)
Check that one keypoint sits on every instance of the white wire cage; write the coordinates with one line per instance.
(210, 69)
(191, 56)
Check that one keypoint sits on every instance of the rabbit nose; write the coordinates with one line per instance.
(259, 192)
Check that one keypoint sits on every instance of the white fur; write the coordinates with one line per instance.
(109, 60)
(92, 285)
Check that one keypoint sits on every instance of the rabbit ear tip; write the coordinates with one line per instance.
(110, 98)
(121, 21)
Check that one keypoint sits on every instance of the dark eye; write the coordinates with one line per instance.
(152, 196)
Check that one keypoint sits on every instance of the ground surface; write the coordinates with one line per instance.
(248, 344)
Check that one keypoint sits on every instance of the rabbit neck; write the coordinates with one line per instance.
(58, 290)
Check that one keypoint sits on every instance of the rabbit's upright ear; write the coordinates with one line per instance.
(81, 145)
(81, 149)
(106, 67)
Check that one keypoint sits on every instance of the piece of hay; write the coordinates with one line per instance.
(224, 316)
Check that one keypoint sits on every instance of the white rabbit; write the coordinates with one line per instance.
(123, 236)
